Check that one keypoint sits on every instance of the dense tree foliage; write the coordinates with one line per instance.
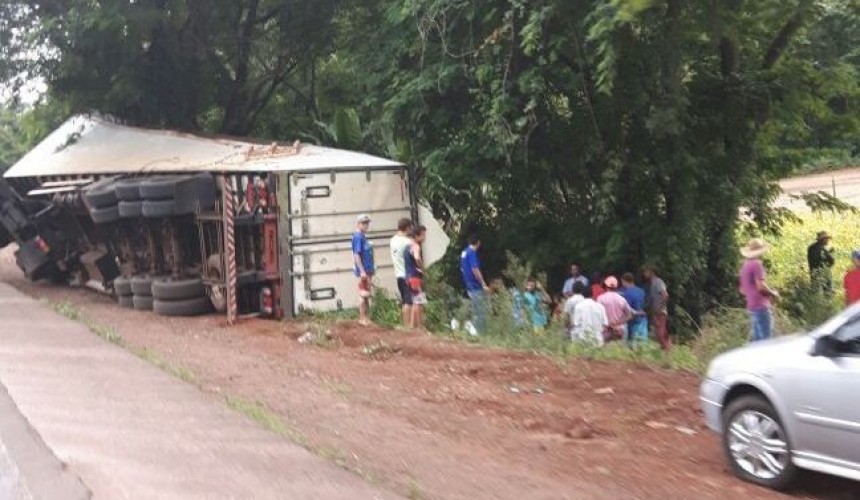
(609, 132)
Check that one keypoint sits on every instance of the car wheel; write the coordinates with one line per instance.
(159, 208)
(122, 287)
(756, 443)
(169, 289)
(130, 208)
(188, 307)
(126, 301)
(142, 303)
(105, 215)
(142, 285)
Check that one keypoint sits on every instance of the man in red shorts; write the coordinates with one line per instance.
(362, 256)
(415, 275)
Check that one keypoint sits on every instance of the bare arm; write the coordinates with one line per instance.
(357, 259)
(544, 296)
(480, 277)
(762, 286)
(416, 254)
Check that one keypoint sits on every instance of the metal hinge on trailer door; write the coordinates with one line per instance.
(306, 272)
(306, 224)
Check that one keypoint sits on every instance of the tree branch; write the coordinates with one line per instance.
(784, 36)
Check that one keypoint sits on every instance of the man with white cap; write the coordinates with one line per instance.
(362, 256)
(753, 285)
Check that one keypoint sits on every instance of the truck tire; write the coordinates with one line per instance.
(101, 195)
(126, 301)
(130, 209)
(105, 215)
(187, 307)
(158, 208)
(122, 287)
(128, 190)
(142, 303)
(141, 285)
(169, 289)
(158, 188)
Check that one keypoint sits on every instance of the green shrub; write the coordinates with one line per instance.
(804, 302)
(385, 310)
(721, 331)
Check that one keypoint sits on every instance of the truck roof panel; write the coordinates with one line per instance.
(92, 145)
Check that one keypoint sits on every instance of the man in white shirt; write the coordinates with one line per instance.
(575, 277)
(589, 321)
(577, 296)
(400, 243)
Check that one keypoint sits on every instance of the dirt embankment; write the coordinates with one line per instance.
(430, 418)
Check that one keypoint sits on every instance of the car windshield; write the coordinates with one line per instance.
(839, 323)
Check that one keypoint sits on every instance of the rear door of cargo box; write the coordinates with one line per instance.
(322, 218)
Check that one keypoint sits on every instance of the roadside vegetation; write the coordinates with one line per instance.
(724, 327)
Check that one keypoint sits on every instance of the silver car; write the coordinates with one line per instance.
(788, 403)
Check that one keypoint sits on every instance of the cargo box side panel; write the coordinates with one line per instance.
(323, 211)
(324, 279)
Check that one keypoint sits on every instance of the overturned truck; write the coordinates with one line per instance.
(186, 225)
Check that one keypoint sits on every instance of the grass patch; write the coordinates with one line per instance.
(335, 455)
(340, 389)
(263, 416)
(72, 312)
(154, 358)
(414, 492)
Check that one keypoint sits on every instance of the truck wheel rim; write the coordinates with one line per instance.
(758, 445)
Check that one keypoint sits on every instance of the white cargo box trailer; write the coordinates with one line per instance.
(304, 247)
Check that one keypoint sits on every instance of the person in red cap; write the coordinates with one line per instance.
(618, 311)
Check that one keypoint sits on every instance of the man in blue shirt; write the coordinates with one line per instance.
(476, 286)
(575, 277)
(362, 256)
(637, 328)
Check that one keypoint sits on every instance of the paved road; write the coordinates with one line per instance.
(844, 184)
(129, 430)
(28, 469)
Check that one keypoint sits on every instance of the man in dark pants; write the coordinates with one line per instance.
(820, 259)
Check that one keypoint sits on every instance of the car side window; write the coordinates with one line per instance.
(849, 336)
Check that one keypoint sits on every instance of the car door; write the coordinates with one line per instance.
(824, 398)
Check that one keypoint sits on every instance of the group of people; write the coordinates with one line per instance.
(593, 311)
(408, 265)
(596, 310)
(759, 296)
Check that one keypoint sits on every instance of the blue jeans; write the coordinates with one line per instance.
(637, 331)
(761, 324)
(479, 309)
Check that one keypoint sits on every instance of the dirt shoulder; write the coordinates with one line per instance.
(430, 418)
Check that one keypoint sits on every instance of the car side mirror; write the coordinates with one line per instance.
(826, 346)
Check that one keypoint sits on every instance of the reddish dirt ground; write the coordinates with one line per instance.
(434, 419)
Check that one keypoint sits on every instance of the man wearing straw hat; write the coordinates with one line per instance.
(753, 285)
